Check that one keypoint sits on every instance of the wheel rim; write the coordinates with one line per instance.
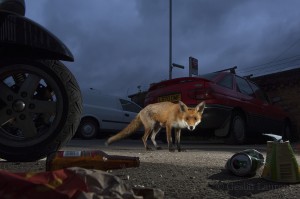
(239, 129)
(31, 105)
(88, 130)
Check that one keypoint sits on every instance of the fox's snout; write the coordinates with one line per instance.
(191, 128)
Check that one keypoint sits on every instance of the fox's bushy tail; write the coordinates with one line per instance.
(132, 127)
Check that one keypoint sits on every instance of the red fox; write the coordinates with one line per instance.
(163, 114)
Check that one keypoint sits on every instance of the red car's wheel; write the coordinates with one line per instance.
(237, 132)
(287, 132)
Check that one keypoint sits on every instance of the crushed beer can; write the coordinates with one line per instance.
(245, 163)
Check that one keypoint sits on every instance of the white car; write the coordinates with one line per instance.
(104, 114)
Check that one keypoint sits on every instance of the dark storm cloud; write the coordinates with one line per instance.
(114, 47)
(120, 44)
(227, 33)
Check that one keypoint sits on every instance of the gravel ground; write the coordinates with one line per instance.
(196, 173)
(200, 174)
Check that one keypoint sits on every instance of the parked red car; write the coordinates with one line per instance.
(236, 108)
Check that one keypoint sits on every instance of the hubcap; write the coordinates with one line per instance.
(88, 129)
(19, 106)
(239, 129)
(28, 115)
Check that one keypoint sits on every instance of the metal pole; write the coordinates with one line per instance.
(170, 40)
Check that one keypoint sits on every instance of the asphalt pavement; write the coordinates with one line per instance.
(199, 172)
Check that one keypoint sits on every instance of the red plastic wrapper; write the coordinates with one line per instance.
(46, 185)
(70, 183)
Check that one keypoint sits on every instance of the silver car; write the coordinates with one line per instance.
(104, 114)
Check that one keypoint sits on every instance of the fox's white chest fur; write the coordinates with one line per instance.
(181, 124)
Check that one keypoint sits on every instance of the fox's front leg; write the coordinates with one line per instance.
(177, 139)
(169, 139)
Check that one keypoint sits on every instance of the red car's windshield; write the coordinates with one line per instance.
(209, 76)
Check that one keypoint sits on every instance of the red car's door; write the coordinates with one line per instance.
(274, 116)
(251, 105)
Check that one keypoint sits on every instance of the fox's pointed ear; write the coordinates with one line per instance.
(200, 107)
(182, 106)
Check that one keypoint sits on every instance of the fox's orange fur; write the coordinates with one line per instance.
(163, 114)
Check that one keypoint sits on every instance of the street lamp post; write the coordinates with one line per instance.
(170, 39)
(171, 65)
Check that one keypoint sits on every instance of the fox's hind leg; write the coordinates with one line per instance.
(148, 131)
(156, 129)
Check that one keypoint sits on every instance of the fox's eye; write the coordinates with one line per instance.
(186, 118)
(195, 118)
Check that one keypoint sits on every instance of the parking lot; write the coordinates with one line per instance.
(196, 173)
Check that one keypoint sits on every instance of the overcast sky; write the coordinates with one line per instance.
(121, 44)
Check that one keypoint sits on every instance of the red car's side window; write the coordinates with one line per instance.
(226, 81)
(244, 87)
(259, 93)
